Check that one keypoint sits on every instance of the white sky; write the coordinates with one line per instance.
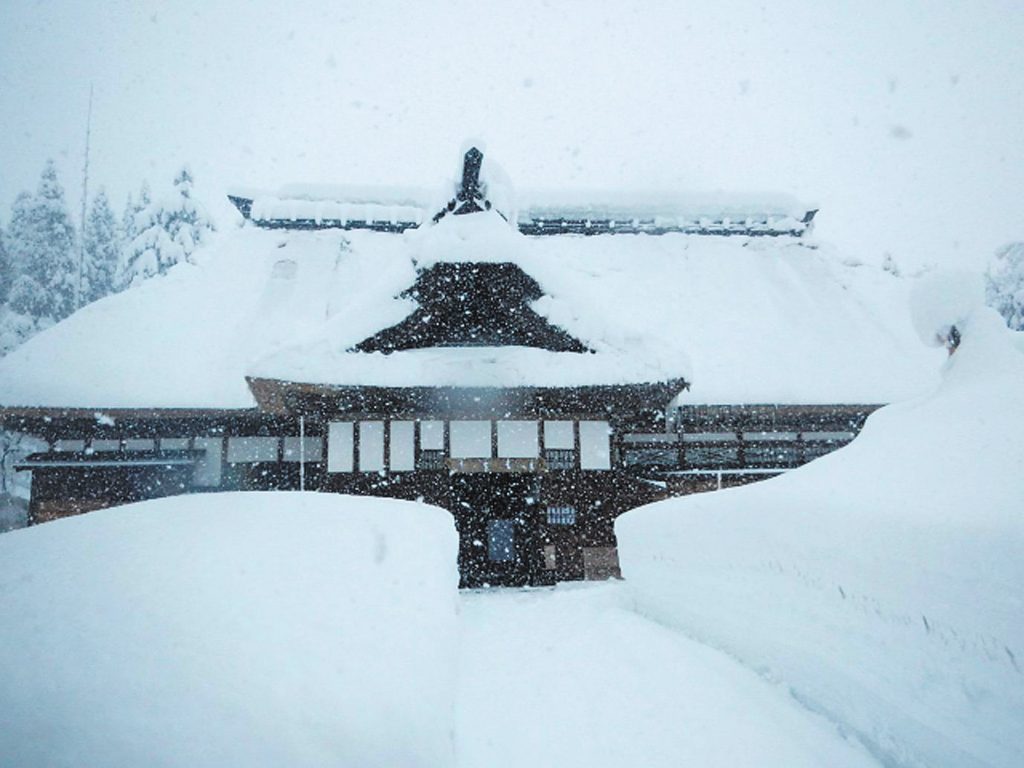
(903, 121)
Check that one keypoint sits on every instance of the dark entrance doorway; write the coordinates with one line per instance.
(496, 515)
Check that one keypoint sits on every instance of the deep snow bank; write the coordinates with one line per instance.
(883, 583)
(628, 692)
(230, 629)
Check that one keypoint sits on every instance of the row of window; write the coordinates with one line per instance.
(117, 444)
(715, 437)
(568, 445)
(713, 450)
(240, 449)
(361, 445)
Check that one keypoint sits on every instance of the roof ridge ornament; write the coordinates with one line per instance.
(471, 196)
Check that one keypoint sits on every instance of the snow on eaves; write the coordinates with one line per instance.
(623, 206)
(382, 203)
(454, 367)
(745, 320)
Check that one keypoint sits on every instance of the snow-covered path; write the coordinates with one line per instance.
(572, 677)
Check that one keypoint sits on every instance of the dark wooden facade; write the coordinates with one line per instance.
(560, 511)
(555, 518)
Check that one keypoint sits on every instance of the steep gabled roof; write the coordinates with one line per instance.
(471, 319)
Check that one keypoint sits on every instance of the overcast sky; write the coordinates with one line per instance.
(903, 121)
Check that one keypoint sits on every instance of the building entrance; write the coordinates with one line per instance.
(496, 516)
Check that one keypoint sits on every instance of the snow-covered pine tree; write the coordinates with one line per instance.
(132, 210)
(128, 220)
(187, 222)
(129, 231)
(150, 252)
(167, 233)
(24, 295)
(102, 250)
(21, 292)
(41, 242)
(1004, 284)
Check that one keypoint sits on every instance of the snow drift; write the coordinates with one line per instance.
(234, 629)
(884, 584)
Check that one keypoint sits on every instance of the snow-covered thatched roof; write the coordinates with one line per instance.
(746, 320)
(323, 357)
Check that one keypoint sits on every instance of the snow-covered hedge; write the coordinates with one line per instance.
(231, 630)
(884, 584)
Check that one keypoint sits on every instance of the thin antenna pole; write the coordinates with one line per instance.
(85, 198)
(302, 453)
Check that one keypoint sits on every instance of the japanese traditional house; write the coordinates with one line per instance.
(527, 372)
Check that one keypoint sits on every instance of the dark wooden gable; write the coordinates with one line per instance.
(473, 304)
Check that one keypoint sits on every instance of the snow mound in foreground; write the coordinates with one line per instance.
(884, 583)
(231, 629)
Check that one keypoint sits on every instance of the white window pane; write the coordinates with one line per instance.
(402, 454)
(243, 450)
(708, 437)
(769, 435)
(517, 440)
(139, 445)
(174, 444)
(650, 438)
(432, 435)
(293, 449)
(69, 445)
(207, 472)
(595, 445)
(314, 449)
(470, 439)
(558, 435)
(829, 436)
(105, 445)
(339, 446)
(371, 446)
